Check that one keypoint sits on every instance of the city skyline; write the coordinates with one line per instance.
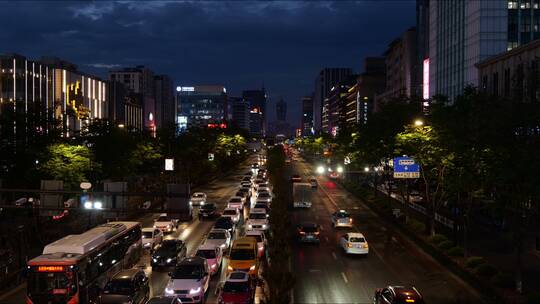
(101, 36)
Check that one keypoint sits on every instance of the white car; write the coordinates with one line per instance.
(261, 240)
(264, 197)
(213, 256)
(236, 202)
(151, 237)
(233, 213)
(164, 223)
(263, 189)
(219, 238)
(245, 184)
(189, 280)
(354, 243)
(257, 220)
(198, 199)
(342, 218)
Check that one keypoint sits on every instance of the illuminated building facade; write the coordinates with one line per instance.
(257, 114)
(201, 106)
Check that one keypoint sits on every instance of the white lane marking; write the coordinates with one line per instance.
(334, 255)
(344, 278)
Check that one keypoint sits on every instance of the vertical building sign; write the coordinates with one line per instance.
(425, 88)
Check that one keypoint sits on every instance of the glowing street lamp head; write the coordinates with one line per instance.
(418, 122)
(366, 169)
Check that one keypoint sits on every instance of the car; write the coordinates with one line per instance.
(165, 223)
(208, 210)
(296, 178)
(236, 202)
(257, 220)
(239, 287)
(225, 223)
(398, 295)
(246, 185)
(189, 280)
(246, 191)
(219, 238)
(151, 237)
(168, 253)
(246, 178)
(342, 218)
(213, 255)
(263, 188)
(244, 256)
(261, 240)
(354, 243)
(255, 166)
(262, 205)
(126, 286)
(309, 232)
(314, 183)
(233, 213)
(264, 197)
(164, 300)
(243, 194)
(198, 199)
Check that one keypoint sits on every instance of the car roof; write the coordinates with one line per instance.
(238, 276)
(209, 205)
(224, 219)
(163, 214)
(198, 193)
(205, 246)
(194, 260)
(221, 230)
(254, 232)
(126, 274)
(236, 197)
(257, 210)
(406, 292)
(355, 234)
(150, 229)
(228, 209)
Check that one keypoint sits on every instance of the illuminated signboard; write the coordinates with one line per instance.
(425, 89)
(217, 126)
(50, 268)
(74, 100)
(169, 164)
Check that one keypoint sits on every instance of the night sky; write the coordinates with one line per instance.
(240, 44)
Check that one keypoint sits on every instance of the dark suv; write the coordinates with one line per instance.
(225, 223)
(208, 210)
(126, 286)
(398, 295)
(168, 253)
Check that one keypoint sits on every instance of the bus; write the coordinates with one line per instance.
(75, 268)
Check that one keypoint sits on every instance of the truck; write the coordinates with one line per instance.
(178, 202)
(302, 195)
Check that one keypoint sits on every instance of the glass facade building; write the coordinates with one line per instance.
(199, 106)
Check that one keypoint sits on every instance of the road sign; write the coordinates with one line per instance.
(169, 164)
(85, 185)
(406, 167)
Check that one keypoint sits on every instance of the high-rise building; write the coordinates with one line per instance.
(257, 118)
(422, 43)
(307, 116)
(325, 80)
(401, 64)
(125, 108)
(239, 112)
(201, 106)
(38, 96)
(281, 110)
(164, 97)
(369, 84)
(335, 106)
(140, 80)
(463, 33)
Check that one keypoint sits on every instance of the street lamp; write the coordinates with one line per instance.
(418, 122)
(366, 169)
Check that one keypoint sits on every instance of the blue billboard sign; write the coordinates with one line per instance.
(406, 167)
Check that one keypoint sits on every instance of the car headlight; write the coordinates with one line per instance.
(190, 203)
(169, 291)
(252, 268)
(195, 290)
(320, 169)
(155, 260)
(147, 244)
(264, 226)
(214, 266)
(229, 267)
(223, 245)
(170, 260)
(250, 226)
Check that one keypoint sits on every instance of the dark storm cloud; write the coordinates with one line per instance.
(240, 44)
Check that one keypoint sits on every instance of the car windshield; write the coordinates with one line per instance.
(187, 271)
(210, 206)
(223, 223)
(259, 206)
(163, 219)
(240, 193)
(309, 229)
(342, 214)
(242, 254)
(357, 240)
(216, 236)
(120, 287)
(147, 234)
(235, 287)
(207, 254)
(229, 212)
(168, 244)
(257, 216)
(264, 194)
(235, 200)
(198, 195)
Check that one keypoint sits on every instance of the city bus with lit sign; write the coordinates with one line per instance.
(72, 269)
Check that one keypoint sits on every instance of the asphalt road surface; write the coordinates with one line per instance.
(325, 274)
(192, 233)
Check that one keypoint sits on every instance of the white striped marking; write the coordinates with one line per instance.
(344, 278)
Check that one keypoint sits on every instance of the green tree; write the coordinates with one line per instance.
(69, 163)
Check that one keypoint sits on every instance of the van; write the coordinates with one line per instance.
(244, 256)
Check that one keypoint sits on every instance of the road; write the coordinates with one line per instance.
(326, 275)
(192, 233)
